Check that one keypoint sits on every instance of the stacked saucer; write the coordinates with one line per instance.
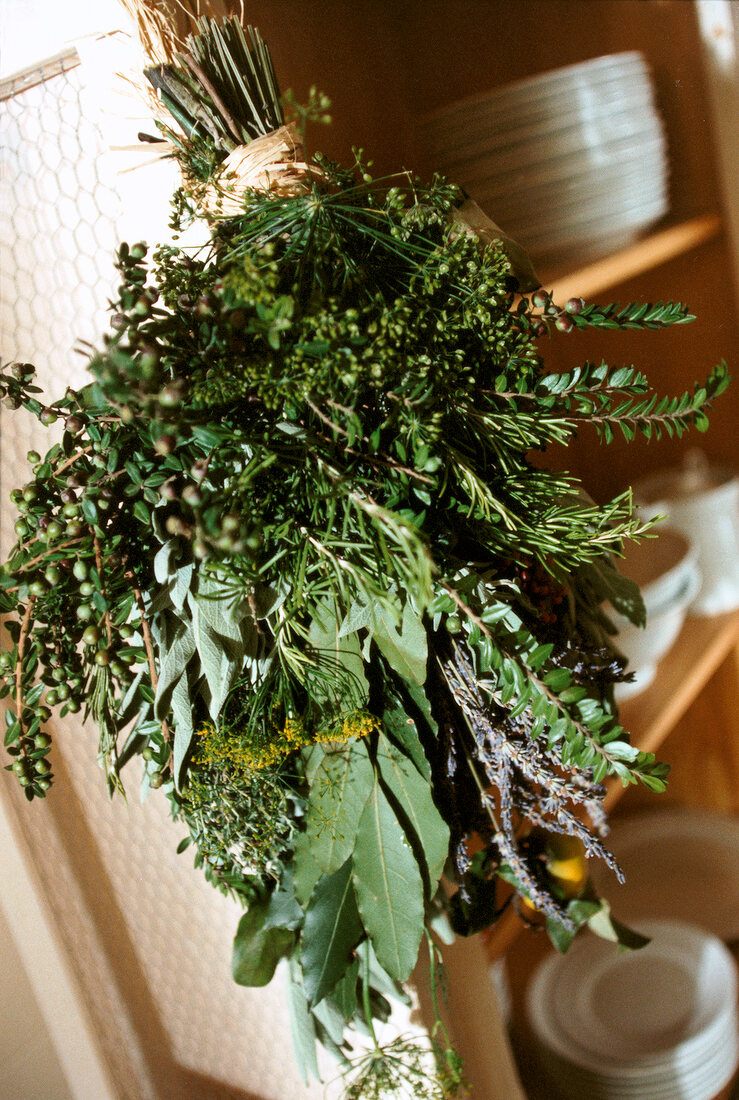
(652, 1024)
(571, 161)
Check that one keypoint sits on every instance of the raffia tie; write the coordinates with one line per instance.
(274, 163)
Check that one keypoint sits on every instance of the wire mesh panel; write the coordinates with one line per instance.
(57, 222)
(150, 938)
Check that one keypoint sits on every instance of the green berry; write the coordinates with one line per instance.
(91, 635)
(80, 570)
(102, 658)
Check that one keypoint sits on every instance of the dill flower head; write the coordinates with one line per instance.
(404, 1069)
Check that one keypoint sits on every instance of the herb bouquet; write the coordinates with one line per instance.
(291, 552)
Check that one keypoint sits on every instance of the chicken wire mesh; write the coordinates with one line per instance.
(150, 938)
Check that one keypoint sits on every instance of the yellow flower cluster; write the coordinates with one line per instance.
(359, 723)
(221, 748)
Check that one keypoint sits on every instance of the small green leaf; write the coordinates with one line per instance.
(257, 949)
(406, 649)
(344, 994)
(182, 709)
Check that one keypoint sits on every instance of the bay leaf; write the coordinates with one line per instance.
(406, 649)
(389, 887)
(413, 793)
(340, 787)
(331, 931)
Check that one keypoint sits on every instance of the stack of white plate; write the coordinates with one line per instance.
(680, 863)
(568, 162)
(652, 1024)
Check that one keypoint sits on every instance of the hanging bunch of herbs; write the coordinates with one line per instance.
(292, 552)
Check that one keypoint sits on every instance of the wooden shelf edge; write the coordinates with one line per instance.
(703, 644)
(646, 254)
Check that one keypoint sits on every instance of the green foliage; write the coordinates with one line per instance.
(293, 551)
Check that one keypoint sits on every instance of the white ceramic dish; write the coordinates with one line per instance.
(703, 503)
(623, 105)
(583, 169)
(662, 851)
(704, 1082)
(544, 85)
(566, 217)
(645, 647)
(651, 1008)
(530, 190)
(484, 162)
(593, 1026)
(490, 114)
(593, 235)
(701, 1081)
(660, 565)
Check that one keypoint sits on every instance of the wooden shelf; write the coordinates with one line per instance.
(658, 248)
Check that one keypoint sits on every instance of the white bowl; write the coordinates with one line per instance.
(644, 647)
(663, 848)
(703, 503)
(638, 1023)
(612, 205)
(593, 238)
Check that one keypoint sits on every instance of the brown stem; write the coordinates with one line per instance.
(41, 557)
(148, 643)
(25, 627)
(220, 106)
(99, 567)
(72, 459)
